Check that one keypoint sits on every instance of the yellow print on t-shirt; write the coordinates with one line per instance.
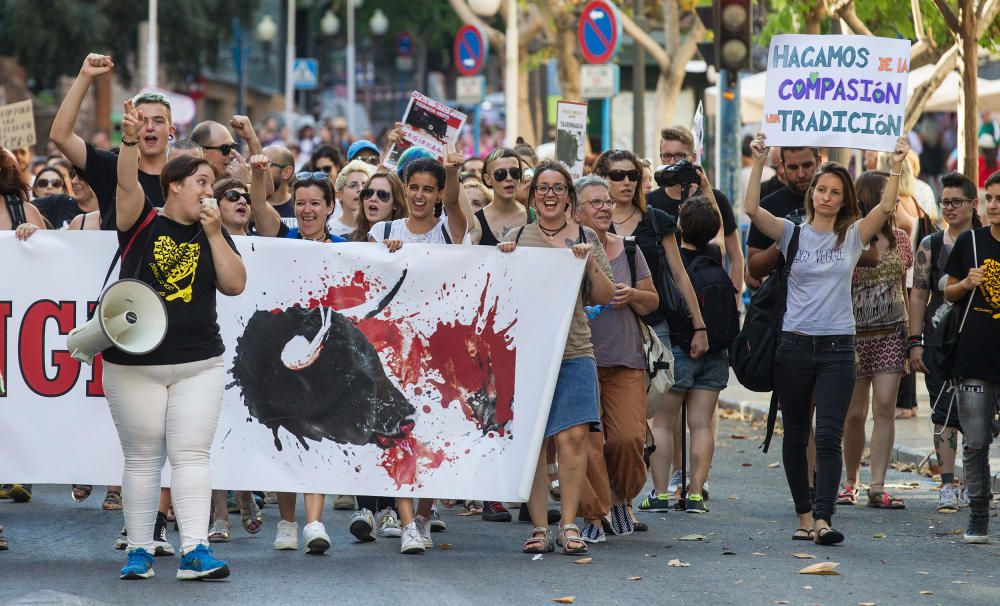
(990, 287)
(174, 266)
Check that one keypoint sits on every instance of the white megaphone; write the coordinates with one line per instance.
(130, 316)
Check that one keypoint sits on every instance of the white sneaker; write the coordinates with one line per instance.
(412, 542)
(963, 496)
(388, 524)
(361, 525)
(288, 535)
(947, 499)
(437, 524)
(121, 541)
(425, 530)
(315, 537)
(675, 483)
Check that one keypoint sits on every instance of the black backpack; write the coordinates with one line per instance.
(717, 300)
(752, 351)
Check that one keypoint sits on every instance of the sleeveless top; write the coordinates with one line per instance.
(487, 238)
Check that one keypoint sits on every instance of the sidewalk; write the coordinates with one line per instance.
(913, 435)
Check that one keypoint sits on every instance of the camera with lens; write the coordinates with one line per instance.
(682, 173)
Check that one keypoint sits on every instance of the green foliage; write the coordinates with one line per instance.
(53, 42)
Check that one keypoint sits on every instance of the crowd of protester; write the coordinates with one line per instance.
(871, 275)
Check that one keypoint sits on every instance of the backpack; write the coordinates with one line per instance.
(944, 345)
(717, 300)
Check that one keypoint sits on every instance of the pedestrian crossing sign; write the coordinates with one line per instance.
(305, 74)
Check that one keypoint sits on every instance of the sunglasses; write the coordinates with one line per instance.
(54, 182)
(620, 175)
(312, 176)
(224, 149)
(234, 196)
(76, 174)
(368, 192)
(325, 169)
(370, 160)
(500, 174)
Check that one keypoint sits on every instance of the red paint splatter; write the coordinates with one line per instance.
(404, 461)
(343, 296)
(427, 409)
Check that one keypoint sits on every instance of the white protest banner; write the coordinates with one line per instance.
(429, 124)
(434, 377)
(836, 91)
(17, 125)
(571, 133)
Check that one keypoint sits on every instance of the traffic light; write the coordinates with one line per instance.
(733, 20)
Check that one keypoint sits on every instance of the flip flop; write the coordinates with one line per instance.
(81, 492)
(829, 536)
(804, 534)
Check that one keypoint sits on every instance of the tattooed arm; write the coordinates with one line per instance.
(918, 300)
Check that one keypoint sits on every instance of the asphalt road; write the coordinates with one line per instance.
(62, 552)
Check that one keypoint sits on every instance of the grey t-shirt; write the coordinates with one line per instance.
(615, 333)
(819, 285)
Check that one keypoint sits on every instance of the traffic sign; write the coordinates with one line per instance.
(305, 74)
(471, 49)
(469, 90)
(404, 44)
(599, 31)
(599, 81)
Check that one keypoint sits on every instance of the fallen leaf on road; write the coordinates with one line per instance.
(692, 537)
(538, 556)
(737, 437)
(781, 602)
(650, 555)
(632, 578)
(821, 568)
(733, 497)
(444, 546)
(879, 535)
(757, 553)
(807, 587)
(678, 564)
(866, 603)
(728, 551)
(568, 599)
(746, 464)
(804, 556)
(774, 465)
(583, 561)
(925, 592)
(959, 583)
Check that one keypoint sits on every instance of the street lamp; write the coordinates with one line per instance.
(379, 23)
(488, 8)
(329, 24)
(485, 8)
(267, 29)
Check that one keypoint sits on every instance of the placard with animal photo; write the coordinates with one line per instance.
(428, 124)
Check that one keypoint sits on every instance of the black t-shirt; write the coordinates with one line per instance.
(176, 260)
(286, 210)
(101, 173)
(978, 354)
(658, 198)
(649, 234)
(770, 186)
(58, 210)
(781, 204)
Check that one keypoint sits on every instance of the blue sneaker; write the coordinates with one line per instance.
(139, 565)
(199, 564)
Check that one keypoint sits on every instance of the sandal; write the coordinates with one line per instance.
(829, 536)
(539, 541)
(219, 532)
(883, 500)
(112, 501)
(253, 520)
(474, 507)
(81, 492)
(804, 534)
(567, 542)
(847, 496)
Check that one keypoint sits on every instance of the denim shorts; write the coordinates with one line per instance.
(709, 372)
(575, 401)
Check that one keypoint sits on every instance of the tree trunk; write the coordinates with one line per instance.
(569, 65)
(968, 156)
(525, 115)
(668, 88)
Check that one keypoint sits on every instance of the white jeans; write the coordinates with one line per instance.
(169, 410)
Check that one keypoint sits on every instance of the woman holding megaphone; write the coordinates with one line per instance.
(166, 403)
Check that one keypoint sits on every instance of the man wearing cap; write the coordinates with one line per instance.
(99, 168)
(987, 158)
(363, 150)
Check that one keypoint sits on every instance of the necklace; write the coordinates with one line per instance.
(551, 233)
(629, 217)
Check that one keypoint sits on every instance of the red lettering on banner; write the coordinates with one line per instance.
(95, 386)
(31, 351)
(5, 313)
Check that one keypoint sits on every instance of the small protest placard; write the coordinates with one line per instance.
(571, 131)
(430, 125)
(836, 91)
(17, 124)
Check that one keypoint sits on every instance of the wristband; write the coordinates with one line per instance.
(705, 328)
(128, 143)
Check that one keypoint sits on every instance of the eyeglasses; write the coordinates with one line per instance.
(620, 175)
(312, 176)
(500, 174)
(382, 195)
(599, 203)
(224, 149)
(954, 202)
(54, 182)
(671, 158)
(234, 196)
(557, 189)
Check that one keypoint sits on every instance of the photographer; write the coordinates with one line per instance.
(676, 145)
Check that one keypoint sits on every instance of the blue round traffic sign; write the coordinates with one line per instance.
(471, 49)
(599, 31)
(404, 44)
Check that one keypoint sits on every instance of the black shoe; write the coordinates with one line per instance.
(978, 530)
(494, 511)
(161, 545)
(621, 523)
(524, 515)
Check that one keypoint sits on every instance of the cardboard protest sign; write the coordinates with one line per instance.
(571, 132)
(428, 124)
(836, 91)
(17, 125)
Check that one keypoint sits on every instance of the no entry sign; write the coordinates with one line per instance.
(599, 31)
(471, 48)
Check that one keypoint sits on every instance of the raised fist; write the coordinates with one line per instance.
(96, 65)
